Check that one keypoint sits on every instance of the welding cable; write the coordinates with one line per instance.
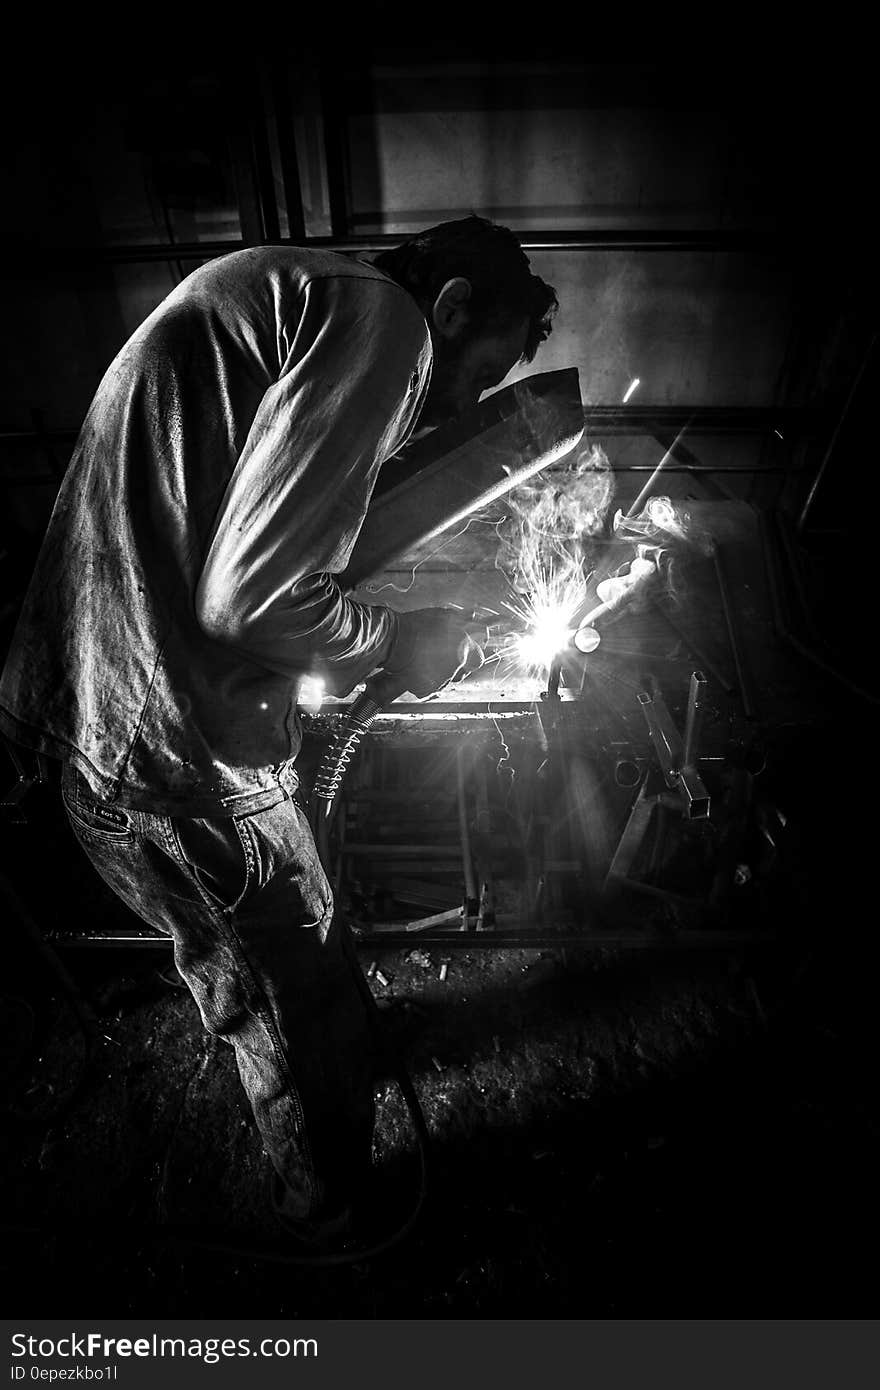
(335, 763)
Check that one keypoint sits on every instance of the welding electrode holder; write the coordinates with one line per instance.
(380, 691)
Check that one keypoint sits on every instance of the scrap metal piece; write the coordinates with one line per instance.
(634, 832)
(697, 801)
(678, 761)
(694, 722)
(664, 735)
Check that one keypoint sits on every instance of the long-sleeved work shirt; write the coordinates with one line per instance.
(219, 482)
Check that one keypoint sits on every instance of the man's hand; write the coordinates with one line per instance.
(431, 645)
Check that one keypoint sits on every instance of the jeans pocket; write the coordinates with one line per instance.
(96, 820)
(220, 857)
(286, 861)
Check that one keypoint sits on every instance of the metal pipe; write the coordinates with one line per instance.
(668, 746)
(805, 510)
(696, 797)
(610, 239)
(553, 678)
(470, 882)
(649, 485)
(627, 772)
(707, 419)
(504, 939)
(693, 723)
(664, 735)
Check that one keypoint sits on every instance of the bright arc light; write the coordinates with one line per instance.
(631, 388)
(310, 695)
(549, 633)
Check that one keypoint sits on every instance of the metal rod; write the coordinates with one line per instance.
(811, 495)
(688, 459)
(694, 720)
(470, 883)
(727, 606)
(664, 735)
(606, 240)
(553, 677)
(486, 941)
(649, 485)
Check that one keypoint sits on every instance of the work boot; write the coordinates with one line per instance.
(381, 1209)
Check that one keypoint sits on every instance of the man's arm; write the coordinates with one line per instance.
(353, 381)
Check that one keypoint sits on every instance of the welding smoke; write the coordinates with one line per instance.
(549, 519)
(542, 552)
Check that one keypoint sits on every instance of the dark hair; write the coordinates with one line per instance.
(503, 289)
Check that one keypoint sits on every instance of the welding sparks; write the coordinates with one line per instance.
(549, 633)
(542, 552)
(552, 588)
(547, 613)
(633, 386)
(549, 544)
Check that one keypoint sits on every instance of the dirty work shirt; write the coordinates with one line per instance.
(219, 482)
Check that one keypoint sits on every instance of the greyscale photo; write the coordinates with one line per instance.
(436, 692)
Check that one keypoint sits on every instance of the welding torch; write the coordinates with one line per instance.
(586, 636)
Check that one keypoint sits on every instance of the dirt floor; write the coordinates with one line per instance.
(613, 1134)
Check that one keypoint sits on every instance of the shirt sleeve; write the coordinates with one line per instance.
(349, 392)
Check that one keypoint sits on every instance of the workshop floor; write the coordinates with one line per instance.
(614, 1135)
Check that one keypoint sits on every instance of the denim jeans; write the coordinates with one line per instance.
(250, 911)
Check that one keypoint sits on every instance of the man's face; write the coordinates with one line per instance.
(465, 366)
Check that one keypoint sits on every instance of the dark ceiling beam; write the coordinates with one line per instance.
(66, 257)
(701, 420)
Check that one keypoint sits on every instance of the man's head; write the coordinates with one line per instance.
(485, 309)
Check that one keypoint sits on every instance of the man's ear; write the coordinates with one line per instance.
(450, 312)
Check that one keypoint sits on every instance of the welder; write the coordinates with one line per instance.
(186, 585)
